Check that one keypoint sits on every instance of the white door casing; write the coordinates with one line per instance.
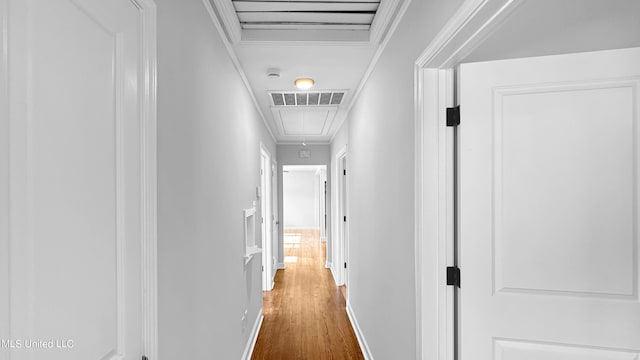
(79, 173)
(274, 217)
(343, 220)
(549, 220)
(265, 212)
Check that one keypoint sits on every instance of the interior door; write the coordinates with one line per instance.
(549, 175)
(74, 180)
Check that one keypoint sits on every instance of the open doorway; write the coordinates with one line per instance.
(304, 209)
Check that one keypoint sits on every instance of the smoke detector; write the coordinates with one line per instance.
(273, 73)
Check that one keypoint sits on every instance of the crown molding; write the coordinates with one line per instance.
(374, 61)
(236, 62)
(382, 20)
(226, 15)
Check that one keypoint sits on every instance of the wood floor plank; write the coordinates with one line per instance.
(304, 314)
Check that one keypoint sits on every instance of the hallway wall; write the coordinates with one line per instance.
(381, 187)
(300, 200)
(209, 136)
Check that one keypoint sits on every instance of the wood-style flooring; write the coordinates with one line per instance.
(304, 314)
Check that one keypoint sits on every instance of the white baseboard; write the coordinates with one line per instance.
(248, 350)
(323, 239)
(280, 266)
(335, 278)
(356, 328)
(328, 265)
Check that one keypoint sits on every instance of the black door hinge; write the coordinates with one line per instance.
(345, 264)
(345, 218)
(144, 358)
(453, 116)
(453, 276)
(344, 172)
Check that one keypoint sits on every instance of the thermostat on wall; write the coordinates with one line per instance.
(305, 154)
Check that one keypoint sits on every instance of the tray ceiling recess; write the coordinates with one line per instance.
(306, 15)
(304, 98)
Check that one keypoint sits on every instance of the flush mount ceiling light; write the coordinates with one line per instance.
(304, 83)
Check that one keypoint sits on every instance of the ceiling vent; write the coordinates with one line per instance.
(307, 98)
(306, 15)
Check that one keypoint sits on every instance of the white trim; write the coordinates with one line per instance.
(383, 18)
(366, 352)
(299, 142)
(236, 63)
(149, 181)
(226, 14)
(248, 350)
(338, 246)
(333, 274)
(372, 64)
(328, 265)
(286, 36)
(266, 43)
(474, 21)
(280, 266)
(266, 208)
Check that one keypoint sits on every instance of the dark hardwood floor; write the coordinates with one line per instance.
(304, 314)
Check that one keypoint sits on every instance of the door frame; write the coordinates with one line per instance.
(434, 90)
(148, 12)
(341, 235)
(266, 208)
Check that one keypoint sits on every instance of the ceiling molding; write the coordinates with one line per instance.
(382, 20)
(350, 36)
(387, 36)
(475, 21)
(294, 43)
(236, 63)
(308, 142)
(226, 16)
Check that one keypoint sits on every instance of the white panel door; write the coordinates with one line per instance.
(549, 179)
(74, 174)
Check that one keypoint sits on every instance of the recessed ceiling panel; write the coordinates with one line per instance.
(304, 122)
(319, 15)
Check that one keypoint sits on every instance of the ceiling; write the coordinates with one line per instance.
(330, 41)
(309, 15)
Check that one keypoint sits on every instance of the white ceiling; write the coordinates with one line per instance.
(332, 66)
(335, 48)
(330, 41)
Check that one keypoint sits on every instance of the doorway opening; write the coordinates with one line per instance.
(304, 208)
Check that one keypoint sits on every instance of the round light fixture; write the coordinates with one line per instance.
(304, 83)
(273, 73)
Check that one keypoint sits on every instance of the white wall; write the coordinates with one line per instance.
(209, 136)
(300, 199)
(381, 187)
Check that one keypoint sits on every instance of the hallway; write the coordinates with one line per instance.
(471, 172)
(304, 314)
